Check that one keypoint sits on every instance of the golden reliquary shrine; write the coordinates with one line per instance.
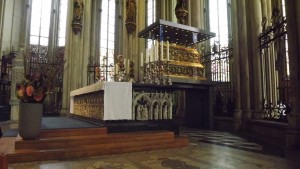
(174, 43)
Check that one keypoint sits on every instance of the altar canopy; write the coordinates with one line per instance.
(117, 99)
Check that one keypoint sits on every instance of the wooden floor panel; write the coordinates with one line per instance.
(72, 132)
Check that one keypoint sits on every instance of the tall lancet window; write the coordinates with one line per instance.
(47, 30)
(42, 11)
(151, 18)
(40, 22)
(107, 38)
(63, 6)
(218, 22)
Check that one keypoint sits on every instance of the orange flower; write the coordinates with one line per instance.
(29, 90)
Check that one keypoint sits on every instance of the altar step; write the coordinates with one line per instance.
(71, 143)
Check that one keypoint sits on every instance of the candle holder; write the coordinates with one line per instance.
(168, 81)
(154, 73)
(124, 73)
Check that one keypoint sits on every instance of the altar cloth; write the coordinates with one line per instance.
(117, 101)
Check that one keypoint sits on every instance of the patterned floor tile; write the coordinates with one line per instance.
(223, 138)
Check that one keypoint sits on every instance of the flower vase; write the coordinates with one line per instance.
(30, 120)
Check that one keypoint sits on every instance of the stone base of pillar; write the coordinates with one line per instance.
(247, 114)
(293, 138)
(294, 120)
(14, 109)
(257, 114)
(293, 148)
(237, 121)
(237, 124)
(14, 112)
(64, 112)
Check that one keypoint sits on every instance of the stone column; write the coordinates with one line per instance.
(269, 11)
(16, 14)
(201, 12)
(94, 31)
(293, 27)
(244, 60)
(264, 8)
(256, 18)
(236, 66)
(141, 41)
(189, 18)
(163, 10)
(172, 16)
(194, 12)
(77, 52)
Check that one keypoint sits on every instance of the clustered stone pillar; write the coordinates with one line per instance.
(163, 10)
(18, 61)
(236, 67)
(77, 52)
(255, 30)
(293, 27)
(195, 13)
(244, 61)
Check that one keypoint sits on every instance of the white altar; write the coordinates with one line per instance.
(103, 101)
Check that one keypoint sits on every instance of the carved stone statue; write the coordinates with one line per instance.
(181, 12)
(78, 11)
(130, 22)
(165, 111)
(155, 112)
(77, 16)
(130, 11)
(145, 113)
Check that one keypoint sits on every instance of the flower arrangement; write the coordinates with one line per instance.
(34, 88)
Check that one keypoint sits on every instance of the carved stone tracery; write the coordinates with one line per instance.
(152, 105)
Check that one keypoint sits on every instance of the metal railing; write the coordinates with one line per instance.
(275, 69)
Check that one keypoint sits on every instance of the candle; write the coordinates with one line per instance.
(155, 51)
(161, 50)
(117, 68)
(147, 56)
(168, 51)
(150, 54)
(128, 66)
(156, 46)
(142, 60)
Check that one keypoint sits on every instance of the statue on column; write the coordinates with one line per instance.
(181, 12)
(130, 22)
(77, 16)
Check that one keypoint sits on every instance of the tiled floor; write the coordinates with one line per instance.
(223, 139)
(207, 150)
